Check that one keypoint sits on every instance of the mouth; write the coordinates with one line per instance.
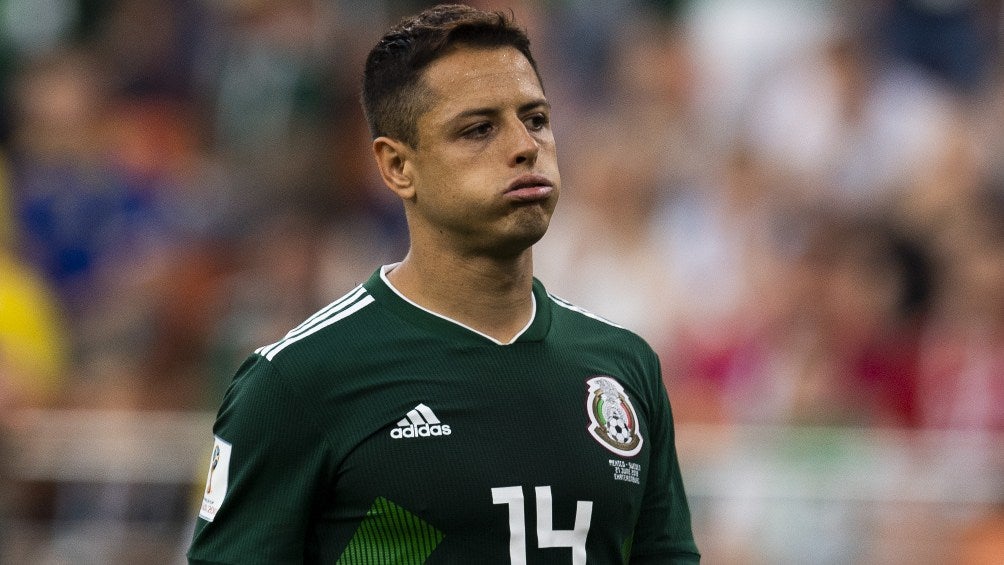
(529, 188)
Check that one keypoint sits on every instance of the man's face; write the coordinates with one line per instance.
(485, 170)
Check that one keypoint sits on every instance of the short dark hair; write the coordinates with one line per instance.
(393, 93)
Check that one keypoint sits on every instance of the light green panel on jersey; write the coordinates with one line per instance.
(626, 548)
(390, 534)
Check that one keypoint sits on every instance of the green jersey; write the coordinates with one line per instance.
(378, 432)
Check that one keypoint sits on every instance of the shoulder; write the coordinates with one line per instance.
(305, 361)
(335, 328)
(570, 317)
(609, 350)
(588, 335)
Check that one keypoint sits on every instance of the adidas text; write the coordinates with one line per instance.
(425, 430)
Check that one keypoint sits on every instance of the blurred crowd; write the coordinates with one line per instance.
(799, 204)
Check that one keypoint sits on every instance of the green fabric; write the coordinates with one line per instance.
(376, 399)
(391, 534)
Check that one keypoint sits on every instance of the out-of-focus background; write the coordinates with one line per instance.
(799, 203)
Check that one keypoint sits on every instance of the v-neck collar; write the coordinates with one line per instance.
(385, 293)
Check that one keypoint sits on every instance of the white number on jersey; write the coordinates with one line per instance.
(546, 535)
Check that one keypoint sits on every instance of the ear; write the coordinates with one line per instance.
(394, 157)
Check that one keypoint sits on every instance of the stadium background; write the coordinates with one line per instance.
(798, 203)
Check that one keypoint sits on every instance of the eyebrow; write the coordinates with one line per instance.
(491, 111)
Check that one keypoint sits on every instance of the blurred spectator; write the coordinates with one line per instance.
(33, 346)
(953, 41)
(840, 347)
(33, 342)
(963, 362)
(848, 129)
(33, 352)
(266, 81)
(729, 241)
(738, 43)
(867, 299)
(149, 48)
(76, 208)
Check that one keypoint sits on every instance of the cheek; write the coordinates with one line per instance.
(449, 191)
(465, 175)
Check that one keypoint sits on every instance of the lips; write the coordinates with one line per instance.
(529, 188)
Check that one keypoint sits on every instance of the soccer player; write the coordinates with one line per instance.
(450, 410)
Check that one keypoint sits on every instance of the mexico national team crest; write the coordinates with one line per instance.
(612, 419)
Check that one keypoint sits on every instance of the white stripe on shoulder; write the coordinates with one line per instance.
(569, 306)
(334, 307)
(337, 310)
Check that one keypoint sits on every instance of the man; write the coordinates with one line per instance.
(450, 410)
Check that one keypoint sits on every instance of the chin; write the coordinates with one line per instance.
(520, 241)
(516, 234)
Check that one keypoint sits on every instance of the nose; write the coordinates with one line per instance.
(525, 147)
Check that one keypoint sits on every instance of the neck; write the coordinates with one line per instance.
(490, 295)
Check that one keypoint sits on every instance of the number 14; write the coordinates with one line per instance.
(546, 535)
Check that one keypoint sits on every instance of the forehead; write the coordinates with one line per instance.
(481, 77)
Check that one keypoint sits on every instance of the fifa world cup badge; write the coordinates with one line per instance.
(216, 480)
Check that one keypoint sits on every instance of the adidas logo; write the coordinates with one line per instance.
(420, 422)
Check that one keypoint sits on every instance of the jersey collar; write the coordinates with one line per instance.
(384, 292)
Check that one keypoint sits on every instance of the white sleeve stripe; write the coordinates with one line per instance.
(569, 306)
(317, 327)
(318, 317)
(334, 306)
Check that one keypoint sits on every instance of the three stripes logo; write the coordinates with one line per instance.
(355, 300)
(420, 422)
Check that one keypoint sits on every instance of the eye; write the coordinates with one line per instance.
(478, 131)
(537, 122)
